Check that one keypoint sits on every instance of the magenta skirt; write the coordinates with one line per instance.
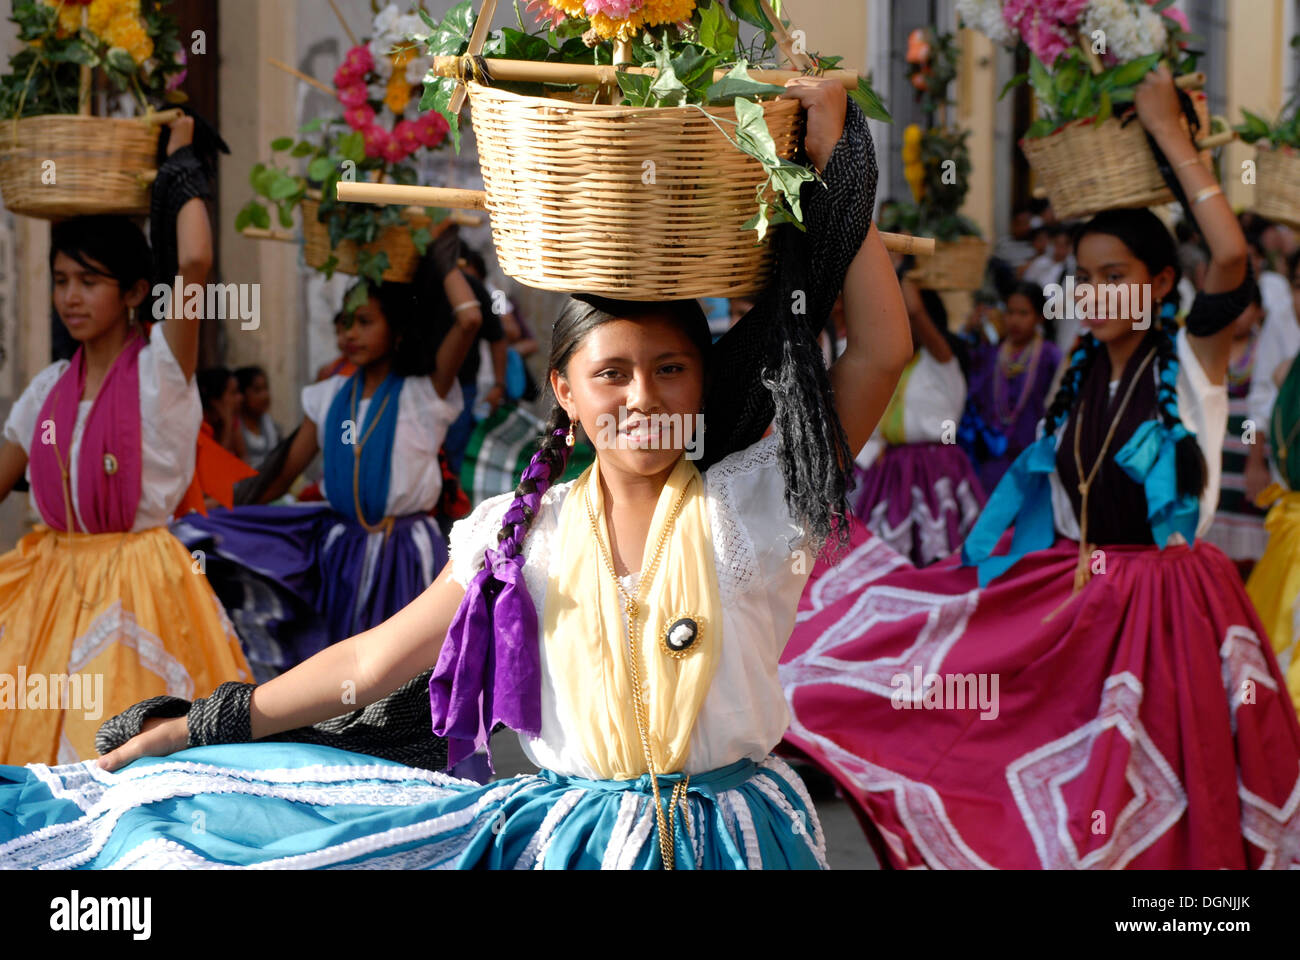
(920, 498)
(1142, 723)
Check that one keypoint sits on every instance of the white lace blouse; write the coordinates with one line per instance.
(170, 415)
(761, 574)
(1203, 407)
(423, 419)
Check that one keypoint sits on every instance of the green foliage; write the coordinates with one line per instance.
(44, 76)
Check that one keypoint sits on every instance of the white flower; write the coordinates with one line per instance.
(411, 26)
(1130, 31)
(986, 17)
(416, 69)
(381, 51)
(386, 22)
(377, 91)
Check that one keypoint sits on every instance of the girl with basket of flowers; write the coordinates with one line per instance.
(101, 591)
(628, 624)
(1095, 689)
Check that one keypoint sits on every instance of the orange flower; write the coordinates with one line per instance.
(399, 94)
(918, 51)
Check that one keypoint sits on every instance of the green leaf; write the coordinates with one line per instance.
(718, 33)
(751, 12)
(1018, 79)
(311, 126)
(514, 44)
(265, 179)
(869, 102)
(357, 296)
(635, 87)
(1040, 128)
(738, 83)
(421, 239)
(1132, 72)
(1041, 81)
(286, 215)
(260, 217)
(667, 90)
(303, 149)
(352, 146)
(753, 135)
(319, 168)
(283, 187)
(1107, 108)
(281, 143)
(329, 266)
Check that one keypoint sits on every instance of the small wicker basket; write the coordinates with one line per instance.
(1085, 167)
(395, 241)
(628, 202)
(100, 165)
(956, 265)
(1277, 179)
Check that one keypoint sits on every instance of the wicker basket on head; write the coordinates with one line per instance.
(956, 265)
(395, 241)
(628, 202)
(1277, 179)
(1086, 167)
(100, 165)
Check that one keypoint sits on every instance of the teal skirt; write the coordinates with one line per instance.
(297, 806)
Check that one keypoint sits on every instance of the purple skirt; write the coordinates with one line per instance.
(296, 579)
(920, 498)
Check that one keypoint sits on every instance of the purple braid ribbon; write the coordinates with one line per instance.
(489, 670)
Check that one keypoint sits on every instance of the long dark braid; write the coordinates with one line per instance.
(546, 466)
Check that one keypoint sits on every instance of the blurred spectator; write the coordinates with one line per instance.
(219, 392)
(259, 431)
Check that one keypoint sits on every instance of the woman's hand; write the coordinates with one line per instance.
(1158, 107)
(826, 103)
(182, 133)
(157, 738)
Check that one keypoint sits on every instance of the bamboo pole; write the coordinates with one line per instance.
(352, 38)
(279, 65)
(800, 61)
(385, 193)
(476, 40)
(528, 71)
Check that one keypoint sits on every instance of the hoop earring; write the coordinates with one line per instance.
(569, 440)
(131, 315)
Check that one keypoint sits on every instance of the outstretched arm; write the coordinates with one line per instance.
(347, 676)
(194, 259)
(13, 462)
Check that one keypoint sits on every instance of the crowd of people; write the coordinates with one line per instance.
(1090, 519)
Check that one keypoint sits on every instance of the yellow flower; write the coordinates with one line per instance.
(667, 11)
(399, 94)
(127, 32)
(70, 18)
(652, 13)
(100, 14)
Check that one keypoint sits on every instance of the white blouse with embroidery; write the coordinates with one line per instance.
(170, 415)
(1203, 407)
(423, 419)
(933, 400)
(761, 575)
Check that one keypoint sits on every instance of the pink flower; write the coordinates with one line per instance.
(407, 135)
(359, 118)
(353, 96)
(544, 12)
(432, 128)
(1044, 24)
(614, 9)
(377, 140)
(1176, 15)
(393, 151)
(354, 68)
(177, 79)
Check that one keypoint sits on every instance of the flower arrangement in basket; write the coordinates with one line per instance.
(57, 160)
(377, 134)
(937, 166)
(1277, 159)
(1087, 58)
(627, 145)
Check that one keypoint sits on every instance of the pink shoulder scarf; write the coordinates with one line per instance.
(109, 465)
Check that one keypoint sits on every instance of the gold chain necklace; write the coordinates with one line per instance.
(386, 524)
(1081, 575)
(632, 606)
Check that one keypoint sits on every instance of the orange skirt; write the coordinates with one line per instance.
(93, 623)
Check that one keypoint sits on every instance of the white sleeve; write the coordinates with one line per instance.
(473, 534)
(754, 537)
(166, 370)
(442, 410)
(317, 397)
(21, 423)
(1279, 341)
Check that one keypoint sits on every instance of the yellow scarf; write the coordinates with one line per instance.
(586, 639)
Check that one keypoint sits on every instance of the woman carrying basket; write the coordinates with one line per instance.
(656, 758)
(1097, 691)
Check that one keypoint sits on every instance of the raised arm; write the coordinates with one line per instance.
(194, 259)
(467, 318)
(1159, 110)
(879, 342)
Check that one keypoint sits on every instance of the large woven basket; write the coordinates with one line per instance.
(1277, 184)
(395, 241)
(628, 202)
(1087, 167)
(100, 165)
(957, 265)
